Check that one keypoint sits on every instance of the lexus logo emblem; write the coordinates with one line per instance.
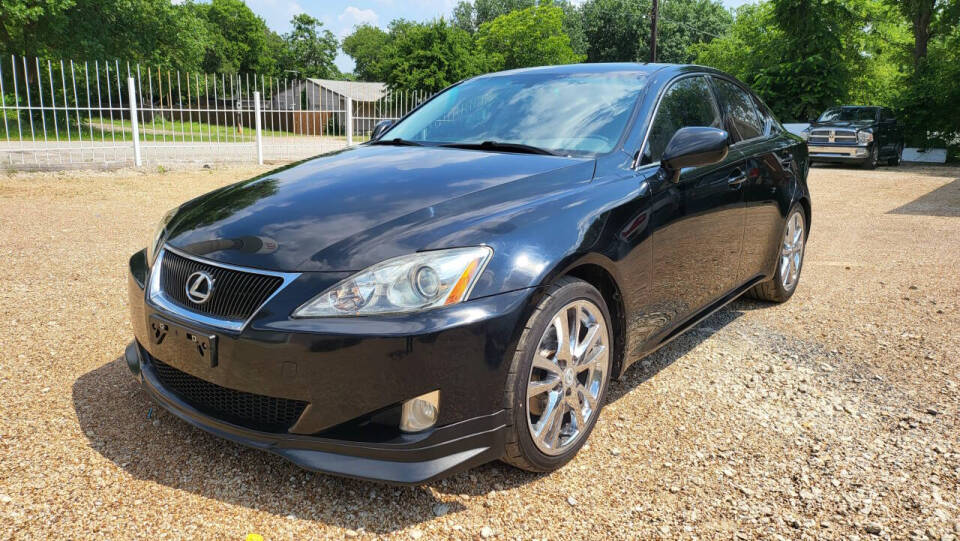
(199, 287)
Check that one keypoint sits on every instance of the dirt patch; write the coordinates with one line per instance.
(832, 416)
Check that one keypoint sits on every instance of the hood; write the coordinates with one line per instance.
(288, 219)
(848, 124)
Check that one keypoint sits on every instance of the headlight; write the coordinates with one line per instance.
(408, 283)
(153, 245)
(864, 137)
(805, 134)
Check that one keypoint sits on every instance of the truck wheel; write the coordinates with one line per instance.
(871, 161)
(895, 161)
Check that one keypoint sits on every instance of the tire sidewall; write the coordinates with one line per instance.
(898, 159)
(873, 159)
(777, 279)
(541, 319)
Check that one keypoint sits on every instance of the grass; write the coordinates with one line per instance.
(105, 129)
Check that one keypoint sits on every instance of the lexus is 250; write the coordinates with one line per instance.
(464, 287)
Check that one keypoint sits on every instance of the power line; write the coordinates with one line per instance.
(691, 27)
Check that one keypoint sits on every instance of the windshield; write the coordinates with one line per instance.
(580, 114)
(848, 113)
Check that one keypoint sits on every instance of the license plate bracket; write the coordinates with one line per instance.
(178, 343)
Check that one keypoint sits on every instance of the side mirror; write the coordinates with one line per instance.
(694, 147)
(380, 127)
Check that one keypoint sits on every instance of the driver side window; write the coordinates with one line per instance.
(688, 102)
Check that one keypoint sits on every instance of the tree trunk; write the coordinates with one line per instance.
(921, 29)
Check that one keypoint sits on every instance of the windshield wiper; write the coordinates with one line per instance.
(506, 147)
(397, 142)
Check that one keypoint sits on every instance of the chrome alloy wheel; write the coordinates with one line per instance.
(568, 372)
(791, 254)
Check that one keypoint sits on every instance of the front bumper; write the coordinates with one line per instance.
(838, 153)
(348, 372)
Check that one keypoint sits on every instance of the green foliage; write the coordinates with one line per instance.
(311, 48)
(796, 54)
(573, 27)
(616, 30)
(366, 45)
(686, 23)
(238, 38)
(928, 101)
(430, 56)
(801, 56)
(529, 37)
(470, 16)
(219, 36)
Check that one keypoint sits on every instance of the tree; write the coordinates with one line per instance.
(751, 42)
(685, 23)
(573, 26)
(470, 16)
(921, 14)
(22, 22)
(799, 55)
(529, 37)
(430, 56)
(312, 49)
(367, 45)
(151, 31)
(616, 30)
(237, 38)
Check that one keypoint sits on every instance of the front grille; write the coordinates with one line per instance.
(839, 136)
(236, 295)
(258, 412)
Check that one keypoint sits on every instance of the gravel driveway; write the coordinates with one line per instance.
(834, 416)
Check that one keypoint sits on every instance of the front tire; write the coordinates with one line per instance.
(789, 260)
(558, 378)
(871, 161)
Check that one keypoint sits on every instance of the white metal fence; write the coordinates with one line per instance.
(62, 114)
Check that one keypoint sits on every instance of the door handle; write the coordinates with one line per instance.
(737, 178)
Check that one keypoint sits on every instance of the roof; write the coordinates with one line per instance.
(601, 67)
(355, 90)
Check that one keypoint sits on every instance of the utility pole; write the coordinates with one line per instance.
(653, 30)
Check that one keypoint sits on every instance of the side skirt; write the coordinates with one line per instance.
(692, 321)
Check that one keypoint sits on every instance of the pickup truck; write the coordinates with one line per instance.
(857, 134)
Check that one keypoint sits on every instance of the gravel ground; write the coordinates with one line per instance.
(834, 416)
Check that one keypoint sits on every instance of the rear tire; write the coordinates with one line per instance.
(789, 260)
(896, 160)
(571, 379)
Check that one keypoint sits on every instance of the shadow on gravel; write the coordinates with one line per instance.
(124, 425)
(652, 364)
(944, 201)
(113, 413)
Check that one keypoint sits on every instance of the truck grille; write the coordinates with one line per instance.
(235, 296)
(833, 136)
(254, 411)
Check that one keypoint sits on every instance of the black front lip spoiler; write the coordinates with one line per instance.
(447, 450)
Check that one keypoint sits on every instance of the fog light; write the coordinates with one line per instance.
(420, 413)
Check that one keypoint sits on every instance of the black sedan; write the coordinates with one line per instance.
(464, 288)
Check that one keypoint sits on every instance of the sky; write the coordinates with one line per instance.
(340, 16)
